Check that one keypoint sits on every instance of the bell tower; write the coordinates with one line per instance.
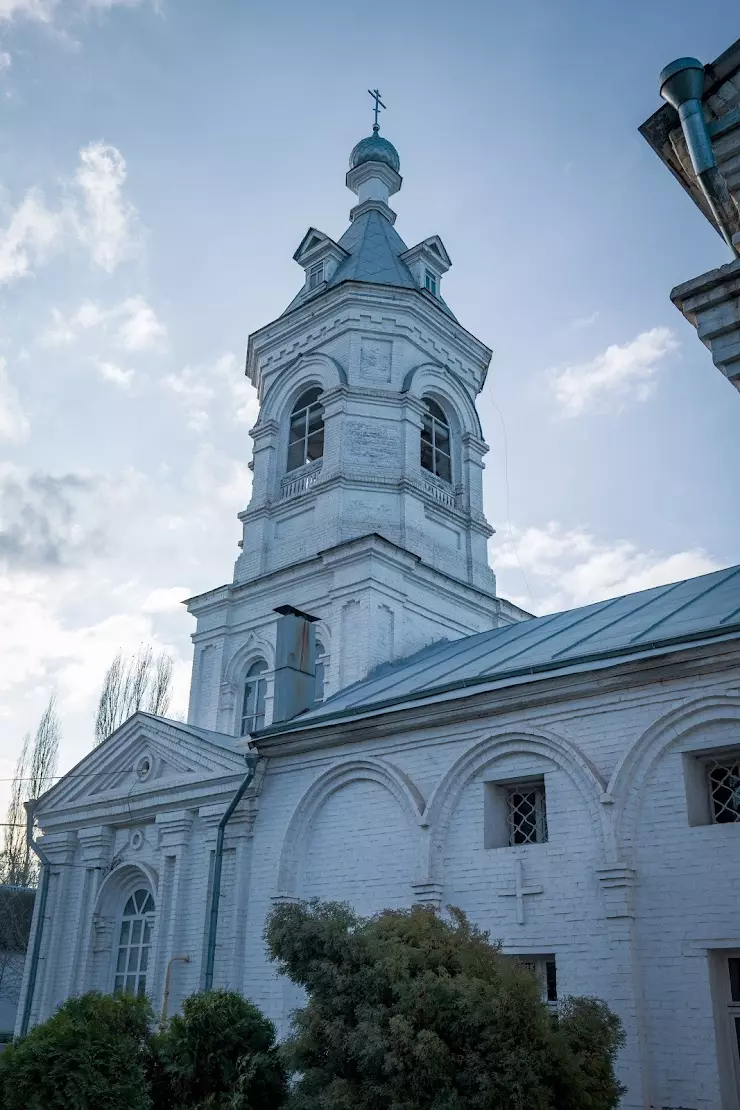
(367, 505)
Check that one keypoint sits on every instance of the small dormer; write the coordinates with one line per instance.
(428, 261)
(319, 256)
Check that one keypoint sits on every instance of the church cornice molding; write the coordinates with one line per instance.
(345, 308)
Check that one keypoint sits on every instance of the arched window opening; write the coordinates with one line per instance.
(435, 442)
(255, 693)
(306, 435)
(320, 672)
(134, 944)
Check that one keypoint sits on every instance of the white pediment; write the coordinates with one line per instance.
(146, 755)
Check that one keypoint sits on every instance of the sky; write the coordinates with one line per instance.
(159, 164)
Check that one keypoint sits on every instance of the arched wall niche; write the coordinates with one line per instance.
(379, 771)
(681, 729)
(307, 371)
(439, 383)
(484, 755)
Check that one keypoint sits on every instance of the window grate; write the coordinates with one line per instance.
(526, 815)
(723, 778)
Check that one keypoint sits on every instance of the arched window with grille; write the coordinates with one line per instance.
(306, 433)
(253, 702)
(436, 455)
(134, 944)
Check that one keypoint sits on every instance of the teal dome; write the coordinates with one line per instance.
(375, 149)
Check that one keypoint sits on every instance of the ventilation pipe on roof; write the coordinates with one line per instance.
(295, 664)
(40, 913)
(682, 85)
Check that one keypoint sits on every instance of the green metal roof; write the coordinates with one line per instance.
(638, 625)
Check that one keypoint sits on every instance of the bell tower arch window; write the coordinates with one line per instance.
(253, 702)
(436, 455)
(134, 944)
(306, 432)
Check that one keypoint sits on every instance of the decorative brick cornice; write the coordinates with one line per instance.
(174, 827)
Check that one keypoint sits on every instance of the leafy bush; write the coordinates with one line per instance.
(406, 1010)
(219, 1053)
(90, 1054)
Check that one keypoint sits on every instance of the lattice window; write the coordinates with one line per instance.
(430, 282)
(545, 971)
(320, 672)
(723, 780)
(526, 814)
(134, 944)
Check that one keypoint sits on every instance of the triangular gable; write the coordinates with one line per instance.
(145, 755)
(312, 239)
(437, 247)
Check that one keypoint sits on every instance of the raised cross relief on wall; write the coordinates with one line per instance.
(519, 890)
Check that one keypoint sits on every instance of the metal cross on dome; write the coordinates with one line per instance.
(375, 94)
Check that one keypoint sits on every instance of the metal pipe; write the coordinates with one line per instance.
(252, 758)
(40, 912)
(682, 86)
(167, 982)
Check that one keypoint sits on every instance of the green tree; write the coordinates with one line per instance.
(406, 1011)
(220, 1052)
(91, 1054)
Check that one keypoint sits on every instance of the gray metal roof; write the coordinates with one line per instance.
(374, 247)
(637, 624)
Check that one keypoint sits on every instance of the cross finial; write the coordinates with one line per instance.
(375, 94)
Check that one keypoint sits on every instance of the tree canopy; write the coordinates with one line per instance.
(408, 1011)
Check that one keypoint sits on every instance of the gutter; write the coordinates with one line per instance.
(252, 759)
(40, 912)
(682, 86)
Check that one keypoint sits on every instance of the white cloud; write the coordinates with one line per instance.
(166, 599)
(571, 567)
(140, 329)
(106, 228)
(621, 375)
(40, 11)
(114, 544)
(95, 216)
(32, 234)
(116, 374)
(220, 385)
(14, 424)
(5, 60)
(585, 321)
(131, 325)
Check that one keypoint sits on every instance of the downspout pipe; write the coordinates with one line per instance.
(40, 914)
(252, 759)
(682, 86)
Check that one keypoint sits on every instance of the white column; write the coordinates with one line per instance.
(174, 833)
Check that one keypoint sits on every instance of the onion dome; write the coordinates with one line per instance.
(375, 149)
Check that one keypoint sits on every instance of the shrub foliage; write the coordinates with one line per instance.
(91, 1053)
(220, 1052)
(406, 1011)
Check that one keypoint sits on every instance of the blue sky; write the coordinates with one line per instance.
(159, 164)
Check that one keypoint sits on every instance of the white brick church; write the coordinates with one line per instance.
(571, 781)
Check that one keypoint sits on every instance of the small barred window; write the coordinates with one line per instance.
(526, 814)
(723, 780)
